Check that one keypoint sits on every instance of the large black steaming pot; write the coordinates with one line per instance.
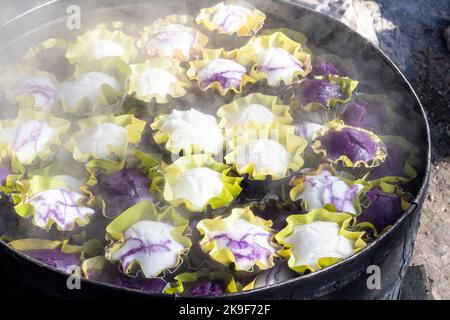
(348, 279)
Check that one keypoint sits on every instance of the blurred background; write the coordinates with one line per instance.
(415, 34)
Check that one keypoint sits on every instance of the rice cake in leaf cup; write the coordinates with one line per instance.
(383, 207)
(265, 153)
(253, 111)
(147, 240)
(50, 56)
(199, 182)
(114, 187)
(95, 88)
(100, 43)
(98, 268)
(349, 146)
(28, 87)
(318, 99)
(189, 132)
(57, 254)
(329, 64)
(278, 274)
(375, 112)
(241, 239)
(275, 58)
(232, 17)
(400, 166)
(105, 137)
(52, 200)
(219, 70)
(324, 188)
(204, 282)
(173, 37)
(158, 79)
(33, 137)
(317, 240)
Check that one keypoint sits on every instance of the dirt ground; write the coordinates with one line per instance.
(433, 241)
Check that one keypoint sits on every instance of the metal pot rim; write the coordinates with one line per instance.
(414, 205)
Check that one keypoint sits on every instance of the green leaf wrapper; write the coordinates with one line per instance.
(188, 279)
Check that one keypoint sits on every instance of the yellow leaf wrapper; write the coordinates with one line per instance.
(158, 78)
(173, 37)
(135, 245)
(219, 70)
(275, 58)
(203, 283)
(241, 239)
(101, 43)
(351, 146)
(267, 153)
(105, 137)
(81, 252)
(215, 185)
(324, 188)
(332, 225)
(253, 112)
(33, 136)
(232, 17)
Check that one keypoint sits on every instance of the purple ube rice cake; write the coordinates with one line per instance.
(55, 258)
(350, 145)
(317, 91)
(207, 288)
(122, 189)
(384, 209)
(325, 68)
(5, 171)
(394, 165)
(109, 273)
